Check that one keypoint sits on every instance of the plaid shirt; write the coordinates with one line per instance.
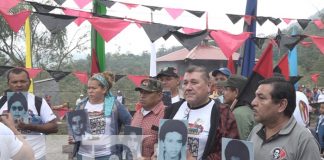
(146, 123)
(227, 128)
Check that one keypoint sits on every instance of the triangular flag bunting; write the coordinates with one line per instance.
(174, 13)
(81, 15)
(6, 5)
(129, 6)
(303, 22)
(108, 28)
(190, 41)
(16, 21)
(319, 24)
(107, 3)
(319, 42)
(283, 67)
(289, 42)
(82, 3)
(286, 20)
(153, 8)
(119, 76)
(196, 13)
(227, 42)
(261, 20)
(155, 31)
(55, 23)
(60, 2)
(136, 79)
(42, 8)
(58, 75)
(33, 72)
(234, 18)
(259, 41)
(275, 21)
(82, 76)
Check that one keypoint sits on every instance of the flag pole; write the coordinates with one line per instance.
(97, 42)
(28, 63)
(247, 52)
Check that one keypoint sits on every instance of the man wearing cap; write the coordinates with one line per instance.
(208, 120)
(219, 75)
(79, 99)
(170, 82)
(242, 112)
(149, 115)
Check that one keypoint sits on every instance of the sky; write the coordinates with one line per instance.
(134, 40)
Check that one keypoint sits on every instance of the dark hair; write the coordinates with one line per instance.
(17, 71)
(20, 97)
(81, 113)
(282, 89)
(174, 126)
(238, 149)
(201, 69)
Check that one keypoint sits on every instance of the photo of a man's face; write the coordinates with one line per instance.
(77, 123)
(172, 139)
(17, 106)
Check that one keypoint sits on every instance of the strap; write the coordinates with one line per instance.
(214, 123)
(3, 100)
(38, 104)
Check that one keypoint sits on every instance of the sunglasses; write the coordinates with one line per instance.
(19, 108)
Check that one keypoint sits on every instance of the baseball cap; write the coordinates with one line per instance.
(225, 71)
(167, 71)
(236, 81)
(150, 85)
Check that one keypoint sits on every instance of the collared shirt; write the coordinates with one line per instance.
(149, 123)
(292, 142)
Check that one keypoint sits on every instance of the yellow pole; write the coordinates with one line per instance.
(28, 52)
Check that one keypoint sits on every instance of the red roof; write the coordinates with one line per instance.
(201, 52)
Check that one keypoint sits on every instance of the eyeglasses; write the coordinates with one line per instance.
(19, 108)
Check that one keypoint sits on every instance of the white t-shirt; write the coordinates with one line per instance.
(9, 143)
(120, 99)
(175, 99)
(302, 109)
(36, 139)
(198, 126)
(98, 142)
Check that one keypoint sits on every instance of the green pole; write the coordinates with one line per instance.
(97, 42)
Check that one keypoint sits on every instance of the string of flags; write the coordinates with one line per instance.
(80, 75)
(109, 27)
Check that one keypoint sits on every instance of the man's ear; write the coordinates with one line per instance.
(236, 92)
(283, 105)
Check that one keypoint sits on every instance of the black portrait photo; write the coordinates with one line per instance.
(18, 106)
(132, 139)
(172, 139)
(233, 149)
(77, 123)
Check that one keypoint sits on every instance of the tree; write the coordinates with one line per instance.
(49, 51)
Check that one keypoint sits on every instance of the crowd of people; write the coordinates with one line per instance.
(206, 101)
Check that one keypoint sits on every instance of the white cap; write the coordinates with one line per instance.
(81, 95)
